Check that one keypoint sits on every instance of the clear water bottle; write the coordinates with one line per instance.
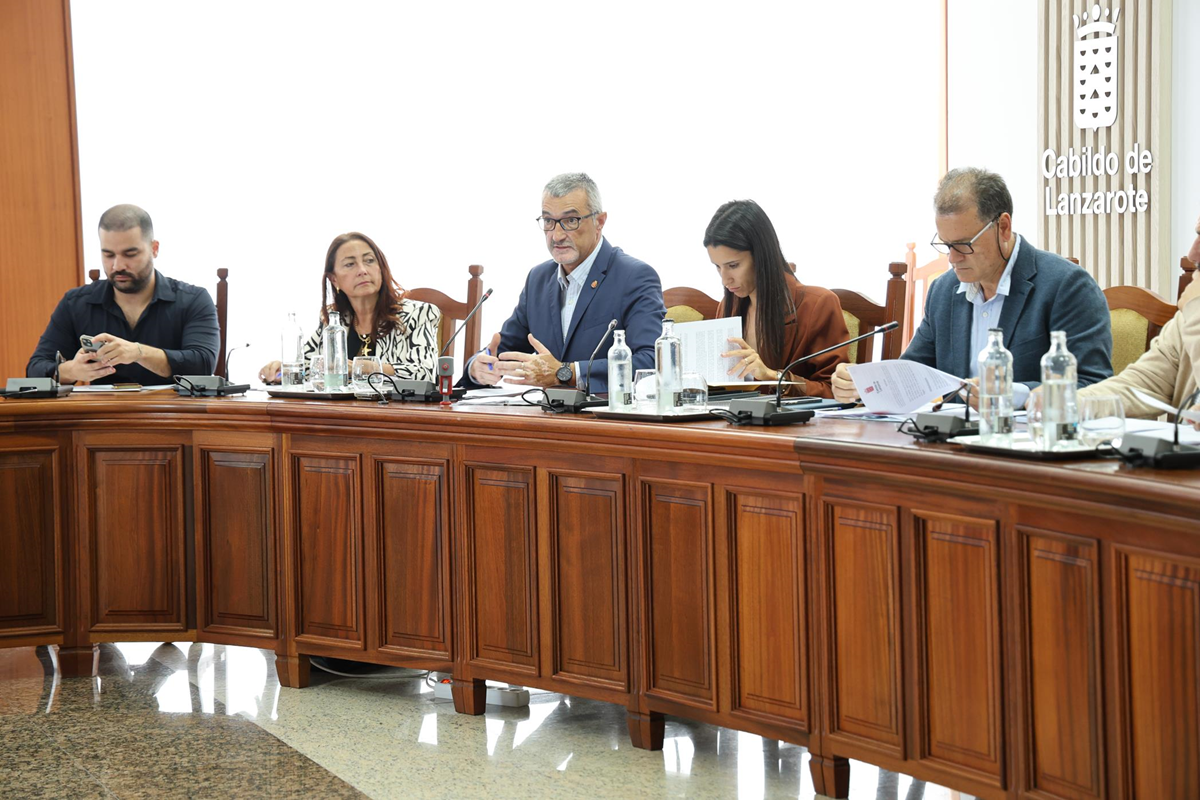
(668, 363)
(620, 374)
(1060, 414)
(291, 352)
(333, 347)
(995, 391)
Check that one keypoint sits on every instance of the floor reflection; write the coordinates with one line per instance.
(191, 719)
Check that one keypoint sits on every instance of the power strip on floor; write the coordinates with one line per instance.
(511, 696)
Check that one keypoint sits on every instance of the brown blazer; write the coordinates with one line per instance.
(816, 324)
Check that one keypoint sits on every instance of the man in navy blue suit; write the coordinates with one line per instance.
(1002, 281)
(568, 301)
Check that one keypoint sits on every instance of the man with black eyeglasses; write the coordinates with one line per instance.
(568, 301)
(1002, 282)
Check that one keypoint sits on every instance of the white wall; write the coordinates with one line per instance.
(993, 53)
(255, 132)
(1185, 132)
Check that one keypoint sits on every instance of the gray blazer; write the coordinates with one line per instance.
(1047, 293)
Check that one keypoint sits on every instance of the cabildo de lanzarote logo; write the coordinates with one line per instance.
(1095, 73)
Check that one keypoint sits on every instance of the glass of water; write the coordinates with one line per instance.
(694, 393)
(1101, 420)
(291, 375)
(1033, 418)
(316, 373)
(361, 371)
(645, 391)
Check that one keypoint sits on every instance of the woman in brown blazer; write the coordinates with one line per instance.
(782, 319)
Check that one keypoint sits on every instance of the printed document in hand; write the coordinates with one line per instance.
(701, 344)
(898, 387)
(1190, 416)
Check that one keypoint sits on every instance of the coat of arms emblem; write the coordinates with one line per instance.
(1096, 70)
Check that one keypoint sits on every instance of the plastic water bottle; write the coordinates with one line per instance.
(333, 347)
(1060, 415)
(292, 352)
(620, 374)
(995, 391)
(668, 363)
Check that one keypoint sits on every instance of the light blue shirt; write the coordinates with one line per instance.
(986, 314)
(572, 286)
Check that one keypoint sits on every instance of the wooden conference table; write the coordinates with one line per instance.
(1002, 627)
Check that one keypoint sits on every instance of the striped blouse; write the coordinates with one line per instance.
(412, 355)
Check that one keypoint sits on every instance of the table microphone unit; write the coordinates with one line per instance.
(572, 398)
(941, 426)
(31, 388)
(427, 391)
(1144, 450)
(206, 386)
(771, 410)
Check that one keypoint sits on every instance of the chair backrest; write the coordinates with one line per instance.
(863, 315)
(916, 288)
(1137, 317)
(222, 312)
(1189, 271)
(454, 312)
(685, 304)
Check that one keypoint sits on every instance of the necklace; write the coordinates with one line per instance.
(365, 338)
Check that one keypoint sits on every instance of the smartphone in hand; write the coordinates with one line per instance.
(86, 343)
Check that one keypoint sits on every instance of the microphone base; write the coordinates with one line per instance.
(1154, 452)
(763, 411)
(576, 401)
(415, 391)
(32, 388)
(207, 386)
(943, 427)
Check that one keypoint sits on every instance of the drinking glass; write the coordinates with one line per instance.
(694, 393)
(1033, 418)
(316, 373)
(645, 391)
(362, 369)
(291, 375)
(1101, 420)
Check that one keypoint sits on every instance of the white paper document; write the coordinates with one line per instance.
(898, 387)
(501, 394)
(1162, 430)
(701, 344)
(1190, 416)
(119, 387)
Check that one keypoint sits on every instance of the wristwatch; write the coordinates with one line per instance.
(564, 374)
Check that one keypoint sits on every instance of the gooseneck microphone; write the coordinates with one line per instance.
(587, 387)
(427, 391)
(572, 398)
(466, 319)
(228, 354)
(770, 410)
(1149, 450)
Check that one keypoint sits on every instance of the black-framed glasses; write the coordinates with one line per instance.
(566, 223)
(964, 248)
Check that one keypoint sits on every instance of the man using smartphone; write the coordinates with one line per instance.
(142, 326)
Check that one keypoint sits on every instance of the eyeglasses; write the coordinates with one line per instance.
(566, 223)
(963, 248)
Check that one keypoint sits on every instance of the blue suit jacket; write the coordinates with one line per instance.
(626, 289)
(1047, 293)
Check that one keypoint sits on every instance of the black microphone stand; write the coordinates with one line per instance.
(770, 410)
(573, 399)
(428, 391)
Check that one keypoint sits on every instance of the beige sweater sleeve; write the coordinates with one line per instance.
(1155, 373)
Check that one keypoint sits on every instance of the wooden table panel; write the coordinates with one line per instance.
(30, 533)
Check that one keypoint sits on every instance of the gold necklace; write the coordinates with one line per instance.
(365, 338)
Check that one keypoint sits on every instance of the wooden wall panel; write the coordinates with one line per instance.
(41, 254)
(587, 572)
(1060, 634)
(1116, 248)
(326, 507)
(30, 536)
(413, 541)
(678, 542)
(502, 543)
(1158, 607)
(769, 599)
(958, 641)
(864, 575)
(235, 505)
(137, 535)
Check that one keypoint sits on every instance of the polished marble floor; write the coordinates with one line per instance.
(167, 720)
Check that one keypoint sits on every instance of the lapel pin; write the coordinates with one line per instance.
(595, 284)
